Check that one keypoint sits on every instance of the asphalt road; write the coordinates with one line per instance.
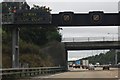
(80, 73)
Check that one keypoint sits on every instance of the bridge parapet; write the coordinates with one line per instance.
(89, 39)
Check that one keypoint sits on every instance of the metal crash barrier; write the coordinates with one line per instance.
(30, 72)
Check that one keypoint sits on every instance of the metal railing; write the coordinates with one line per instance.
(29, 72)
(88, 39)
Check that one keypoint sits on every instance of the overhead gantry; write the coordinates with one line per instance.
(35, 17)
(27, 18)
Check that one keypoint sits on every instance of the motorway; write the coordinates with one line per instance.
(82, 73)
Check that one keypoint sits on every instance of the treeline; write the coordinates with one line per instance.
(40, 35)
(32, 40)
(104, 58)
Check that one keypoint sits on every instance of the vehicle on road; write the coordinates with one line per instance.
(85, 64)
(70, 65)
(91, 67)
(106, 67)
(97, 64)
(76, 64)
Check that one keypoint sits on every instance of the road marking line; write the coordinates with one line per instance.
(49, 76)
(55, 75)
(116, 76)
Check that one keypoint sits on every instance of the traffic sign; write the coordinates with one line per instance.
(96, 17)
(66, 17)
(8, 18)
(32, 17)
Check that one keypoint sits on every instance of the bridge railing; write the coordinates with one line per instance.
(88, 39)
(29, 72)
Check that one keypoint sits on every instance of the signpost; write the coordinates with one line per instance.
(15, 47)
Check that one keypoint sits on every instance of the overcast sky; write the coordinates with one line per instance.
(82, 6)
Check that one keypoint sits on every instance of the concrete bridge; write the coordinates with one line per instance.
(93, 45)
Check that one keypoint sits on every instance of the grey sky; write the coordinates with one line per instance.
(102, 31)
(73, 0)
(73, 55)
(81, 7)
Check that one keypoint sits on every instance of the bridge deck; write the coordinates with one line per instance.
(95, 45)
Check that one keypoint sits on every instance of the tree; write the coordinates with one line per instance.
(42, 8)
(107, 58)
(31, 40)
(40, 35)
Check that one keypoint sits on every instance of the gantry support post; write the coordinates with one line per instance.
(15, 47)
(66, 53)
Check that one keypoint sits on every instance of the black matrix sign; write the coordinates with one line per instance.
(32, 17)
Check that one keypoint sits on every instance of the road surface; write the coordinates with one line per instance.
(80, 73)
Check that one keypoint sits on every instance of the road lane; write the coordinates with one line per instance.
(78, 73)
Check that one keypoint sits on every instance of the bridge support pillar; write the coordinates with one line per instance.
(15, 47)
(66, 52)
(116, 56)
(118, 50)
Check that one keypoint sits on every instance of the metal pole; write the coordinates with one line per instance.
(15, 47)
(66, 52)
(116, 57)
(103, 38)
(113, 37)
(88, 39)
(73, 39)
(118, 50)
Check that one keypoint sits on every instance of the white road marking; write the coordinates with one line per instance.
(49, 76)
(55, 75)
(116, 76)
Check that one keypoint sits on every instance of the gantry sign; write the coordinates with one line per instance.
(35, 17)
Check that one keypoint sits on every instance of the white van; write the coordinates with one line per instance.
(91, 67)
